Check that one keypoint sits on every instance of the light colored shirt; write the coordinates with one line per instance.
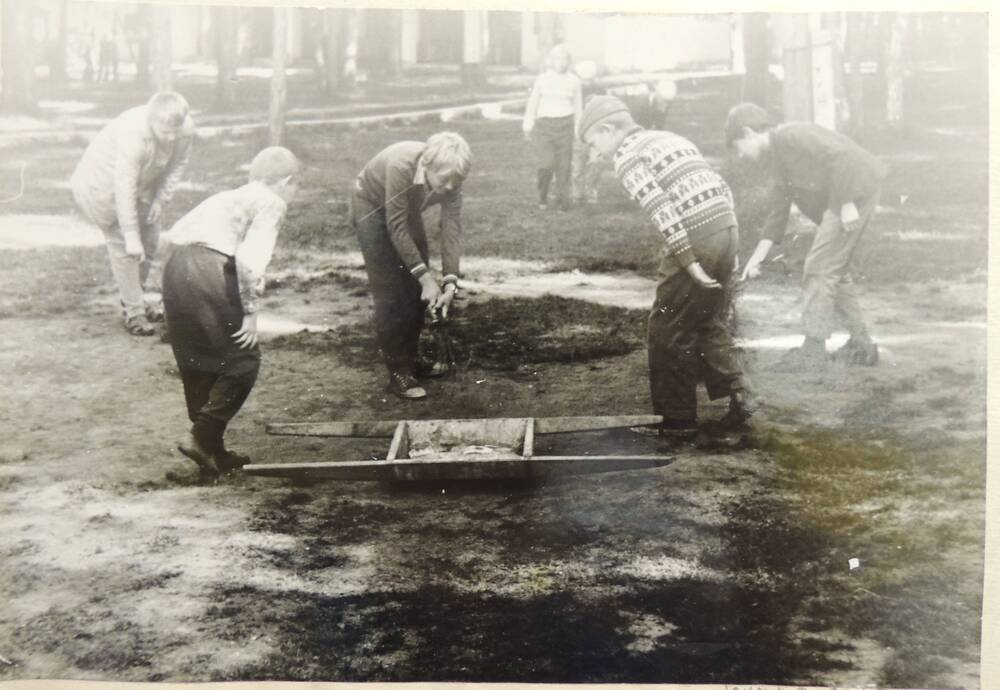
(125, 167)
(242, 223)
(554, 95)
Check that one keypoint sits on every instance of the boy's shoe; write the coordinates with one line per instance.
(228, 460)
(405, 386)
(669, 429)
(857, 352)
(139, 325)
(425, 369)
(202, 457)
(154, 313)
(802, 359)
(741, 408)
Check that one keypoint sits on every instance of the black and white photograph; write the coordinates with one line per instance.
(494, 344)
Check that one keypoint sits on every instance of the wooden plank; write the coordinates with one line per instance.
(450, 469)
(400, 446)
(378, 429)
(369, 470)
(374, 429)
(528, 449)
(562, 425)
(443, 434)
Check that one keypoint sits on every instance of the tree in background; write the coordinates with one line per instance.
(57, 65)
(856, 40)
(352, 34)
(161, 48)
(757, 52)
(894, 65)
(279, 90)
(17, 56)
(331, 49)
(226, 26)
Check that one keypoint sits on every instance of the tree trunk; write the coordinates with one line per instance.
(226, 20)
(333, 55)
(161, 40)
(352, 31)
(756, 49)
(279, 94)
(57, 69)
(473, 69)
(857, 31)
(17, 56)
(894, 69)
(394, 43)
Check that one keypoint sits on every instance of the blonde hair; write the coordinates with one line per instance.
(557, 51)
(168, 107)
(448, 152)
(273, 164)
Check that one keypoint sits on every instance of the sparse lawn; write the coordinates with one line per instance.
(721, 568)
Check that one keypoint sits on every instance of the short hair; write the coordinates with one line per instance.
(448, 152)
(746, 115)
(559, 49)
(273, 164)
(169, 107)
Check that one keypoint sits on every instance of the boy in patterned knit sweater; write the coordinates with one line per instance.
(689, 339)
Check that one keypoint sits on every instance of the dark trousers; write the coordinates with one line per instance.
(399, 311)
(690, 336)
(553, 138)
(201, 300)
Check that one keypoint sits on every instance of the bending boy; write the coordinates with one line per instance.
(836, 183)
(391, 192)
(214, 275)
(124, 182)
(689, 339)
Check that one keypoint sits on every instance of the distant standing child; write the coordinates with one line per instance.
(214, 275)
(836, 183)
(391, 193)
(689, 339)
(124, 182)
(550, 121)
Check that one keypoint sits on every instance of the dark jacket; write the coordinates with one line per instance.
(389, 181)
(818, 170)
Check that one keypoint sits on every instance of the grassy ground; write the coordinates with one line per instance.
(723, 567)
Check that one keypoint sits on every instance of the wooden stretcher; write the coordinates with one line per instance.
(460, 449)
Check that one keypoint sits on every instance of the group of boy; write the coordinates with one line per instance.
(209, 268)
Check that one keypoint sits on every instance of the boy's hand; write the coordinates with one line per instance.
(445, 300)
(752, 269)
(133, 246)
(703, 279)
(849, 217)
(246, 337)
(430, 291)
(155, 213)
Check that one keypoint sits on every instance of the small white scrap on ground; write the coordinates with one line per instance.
(854, 563)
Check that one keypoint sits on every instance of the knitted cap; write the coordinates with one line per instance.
(745, 115)
(598, 108)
